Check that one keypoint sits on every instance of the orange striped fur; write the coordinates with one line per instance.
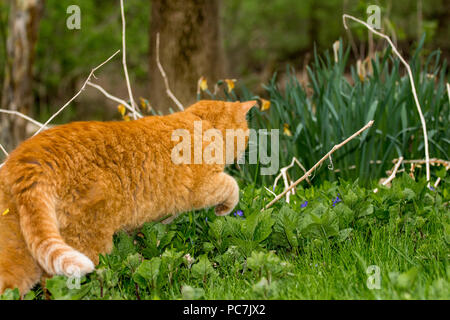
(70, 188)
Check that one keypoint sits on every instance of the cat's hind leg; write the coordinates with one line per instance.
(18, 269)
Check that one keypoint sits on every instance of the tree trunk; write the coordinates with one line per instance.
(190, 47)
(17, 92)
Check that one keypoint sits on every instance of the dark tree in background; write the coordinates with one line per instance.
(17, 93)
(190, 47)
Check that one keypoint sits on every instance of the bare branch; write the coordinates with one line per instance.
(110, 96)
(287, 181)
(4, 150)
(439, 179)
(308, 173)
(124, 61)
(393, 174)
(22, 116)
(270, 191)
(163, 74)
(413, 87)
(448, 92)
(421, 161)
(78, 93)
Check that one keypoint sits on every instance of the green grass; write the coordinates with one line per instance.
(315, 250)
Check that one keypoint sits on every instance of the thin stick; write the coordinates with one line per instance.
(308, 173)
(124, 61)
(420, 161)
(439, 179)
(17, 113)
(392, 176)
(270, 191)
(78, 93)
(287, 181)
(163, 74)
(4, 150)
(448, 92)
(116, 99)
(413, 87)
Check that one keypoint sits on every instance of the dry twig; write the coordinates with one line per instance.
(287, 181)
(308, 173)
(163, 74)
(78, 93)
(392, 176)
(124, 61)
(19, 114)
(413, 87)
(4, 150)
(110, 96)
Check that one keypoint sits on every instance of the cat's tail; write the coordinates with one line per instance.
(36, 202)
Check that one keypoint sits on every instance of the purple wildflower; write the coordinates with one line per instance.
(304, 204)
(336, 200)
(206, 219)
(431, 188)
(239, 213)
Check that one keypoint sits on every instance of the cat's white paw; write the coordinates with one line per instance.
(73, 264)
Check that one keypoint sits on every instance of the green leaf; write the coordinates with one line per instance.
(147, 273)
(203, 269)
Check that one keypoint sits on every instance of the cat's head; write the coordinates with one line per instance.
(226, 116)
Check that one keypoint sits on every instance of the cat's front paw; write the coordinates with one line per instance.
(222, 210)
(73, 264)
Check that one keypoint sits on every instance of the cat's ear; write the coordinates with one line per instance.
(247, 105)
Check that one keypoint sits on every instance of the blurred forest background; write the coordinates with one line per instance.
(219, 39)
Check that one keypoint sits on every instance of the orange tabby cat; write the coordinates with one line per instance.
(66, 191)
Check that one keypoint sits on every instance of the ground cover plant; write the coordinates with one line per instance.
(319, 246)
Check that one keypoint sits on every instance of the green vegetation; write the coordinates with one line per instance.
(333, 105)
(319, 246)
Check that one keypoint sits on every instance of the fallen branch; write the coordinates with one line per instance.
(124, 61)
(392, 176)
(308, 173)
(270, 191)
(287, 181)
(110, 96)
(163, 74)
(439, 179)
(413, 87)
(421, 161)
(78, 93)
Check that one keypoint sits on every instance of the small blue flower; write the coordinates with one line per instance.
(304, 204)
(336, 200)
(206, 219)
(239, 213)
(431, 188)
